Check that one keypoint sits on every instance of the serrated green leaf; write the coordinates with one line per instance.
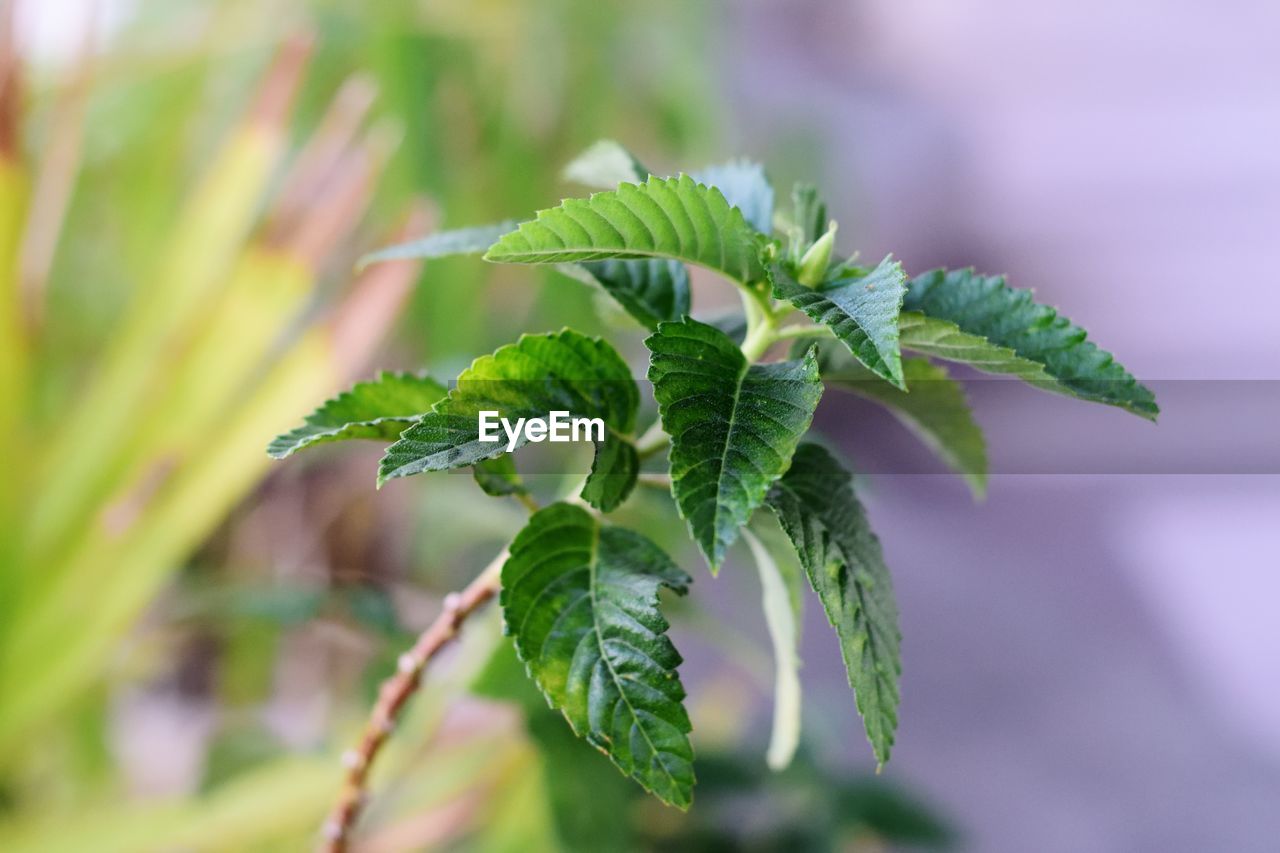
(733, 425)
(674, 218)
(943, 339)
(987, 307)
(782, 618)
(650, 290)
(581, 600)
(605, 165)
(498, 477)
(613, 474)
(817, 508)
(746, 187)
(539, 374)
(935, 409)
(378, 409)
(458, 241)
(653, 289)
(862, 311)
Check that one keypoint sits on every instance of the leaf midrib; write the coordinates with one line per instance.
(872, 645)
(724, 457)
(619, 254)
(592, 564)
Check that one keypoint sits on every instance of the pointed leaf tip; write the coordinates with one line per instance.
(815, 503)
(861, 308)
(580, 599)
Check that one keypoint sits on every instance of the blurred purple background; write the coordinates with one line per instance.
(1092, 661)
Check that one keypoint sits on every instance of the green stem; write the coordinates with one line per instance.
(761, 335)
(527, 501)
(791, 332)
(655, 481)
(653, 441)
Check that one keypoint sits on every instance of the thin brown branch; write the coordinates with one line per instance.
(393, 695)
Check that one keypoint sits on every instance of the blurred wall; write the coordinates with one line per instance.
(1090, 660)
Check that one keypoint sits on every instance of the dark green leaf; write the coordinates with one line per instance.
(935, 409)
(581, 600)
(806, 809)
(733, 425)
(539, 374)
(379, 409)
(862, 311)
(613, 473)
(673, 218)
(820, 513)
(459, 241)
(985, 306)
(943, 339)
(651, 290)
(746, 187)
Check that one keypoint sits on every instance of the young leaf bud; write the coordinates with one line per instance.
(813, 266)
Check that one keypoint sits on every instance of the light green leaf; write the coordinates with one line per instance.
(459, 241)
(379, 409)
(943, 339)
(861, 309)
(935, 409)
(613, 473)
(734, 425)
(593, 778)
(674, 218)
(498, 477)
(987, 307)
(539, 374)
(820, 513)
(782, 617)
(650, 290)
(605, 165)
(581, 600)
(746, 187)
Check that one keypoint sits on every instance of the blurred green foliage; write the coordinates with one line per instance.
(217, 596)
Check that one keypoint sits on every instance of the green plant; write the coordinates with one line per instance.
(581, 596)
